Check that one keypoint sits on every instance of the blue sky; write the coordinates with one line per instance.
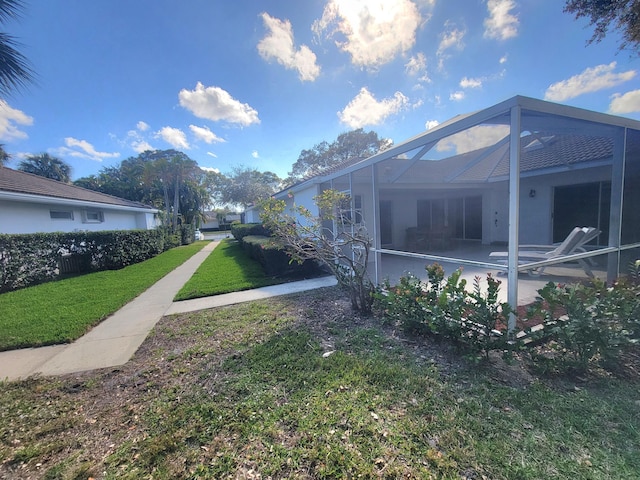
(252, 83)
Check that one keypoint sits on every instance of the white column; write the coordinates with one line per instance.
(514, 212)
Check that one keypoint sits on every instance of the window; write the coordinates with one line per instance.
(357, 209)
(92, 216)
(350, 211)
(61, 214)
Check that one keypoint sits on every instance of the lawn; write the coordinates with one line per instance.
(62, 311)
(300, 387)
(227, 269)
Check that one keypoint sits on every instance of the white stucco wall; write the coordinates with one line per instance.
(303, 197)
(252, 215)
(22, 217)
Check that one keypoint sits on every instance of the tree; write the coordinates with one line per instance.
(247, 186)
(344, 249)
(172, 169)
(166, 179)
(4, 156)
(350, 145)
(621, 15)
(47, 166)
(15, 71)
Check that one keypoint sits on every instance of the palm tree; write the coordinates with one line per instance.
(47, 166)
(15, 71)
(172, 170)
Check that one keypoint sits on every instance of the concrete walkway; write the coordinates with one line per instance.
(114, 341)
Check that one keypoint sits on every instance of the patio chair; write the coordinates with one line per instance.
(575, 241)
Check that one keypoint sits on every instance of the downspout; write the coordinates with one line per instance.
(514, 212)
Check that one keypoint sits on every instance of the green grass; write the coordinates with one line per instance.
(227, 269)
(245, 390)
(62, 311)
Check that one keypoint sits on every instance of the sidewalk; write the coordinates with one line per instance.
(114, 341)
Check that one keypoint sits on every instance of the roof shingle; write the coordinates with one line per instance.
(21, 182)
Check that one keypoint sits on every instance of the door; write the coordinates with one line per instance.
(386, 222)
(584, 205)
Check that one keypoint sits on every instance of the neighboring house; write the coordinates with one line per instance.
(213, 223)
(210, 222)
(31, 204)
(524, 171)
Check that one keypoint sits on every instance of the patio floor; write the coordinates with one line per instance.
(393, 266)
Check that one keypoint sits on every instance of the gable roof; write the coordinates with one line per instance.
(21, 183)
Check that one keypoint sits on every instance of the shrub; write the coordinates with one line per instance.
(187, 234)
(444, 308)
(30, 259)
(403, 304)
(589, 322)
(241, 230)
(485, 315)
(273, 257)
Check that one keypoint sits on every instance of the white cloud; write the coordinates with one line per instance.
(470, 82)
(140, 146)
(255, 154)
(416, 64)
(451, 38)
(211, 154)
(82, 149)
(456, 96)
(136, 140)
(364, 109)
(174, 137)
(503, 59)
(591, 80)
(10, 119)
(205, 134)
(278, 44)
(210, 169)
(431, 124)
(627, 103)
(214, 103)
(501, 23)
(474, 138)
(373, 32)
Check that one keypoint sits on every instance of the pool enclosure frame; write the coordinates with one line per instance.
(517, 142)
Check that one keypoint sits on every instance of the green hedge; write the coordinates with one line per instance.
(29, 259)
(241, 230)
(271, 254)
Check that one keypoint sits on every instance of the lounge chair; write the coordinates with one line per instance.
(574, 243)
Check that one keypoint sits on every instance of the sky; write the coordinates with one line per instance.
(247, 83)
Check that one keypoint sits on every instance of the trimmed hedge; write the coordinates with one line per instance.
(271, 254)
(241, 230)
(30, 259)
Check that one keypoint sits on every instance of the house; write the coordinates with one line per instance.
(215, 221)
(210, 221)
(524, 171)
(30, 204)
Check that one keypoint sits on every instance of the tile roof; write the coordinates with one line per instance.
(26, 183)
(325, 171)
(493, 163)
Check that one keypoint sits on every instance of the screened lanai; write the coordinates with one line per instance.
(527, 190)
